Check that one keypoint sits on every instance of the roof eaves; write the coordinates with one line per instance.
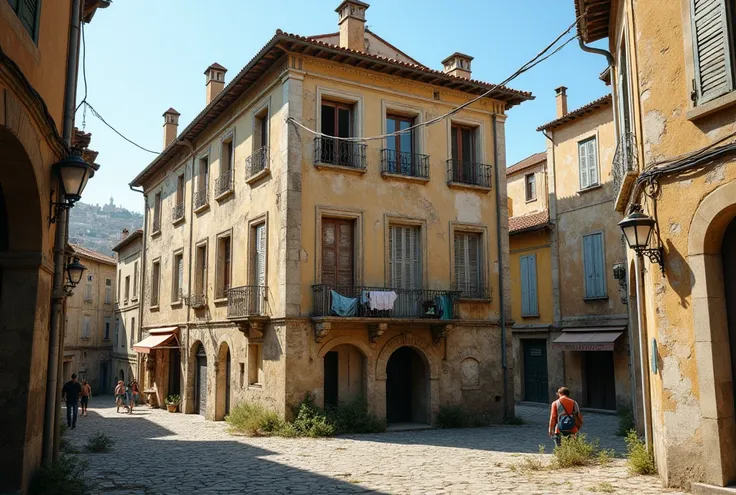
(127, 240)
(578, 112)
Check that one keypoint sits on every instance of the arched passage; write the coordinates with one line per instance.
(407, 387)
(223, 382)
(345, 375)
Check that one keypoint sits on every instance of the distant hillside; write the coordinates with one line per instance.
(99, 227)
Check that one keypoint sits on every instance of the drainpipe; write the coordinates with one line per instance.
(642, 358)
(142, 278)
(51, 428)
(502, 310)
(596, 51)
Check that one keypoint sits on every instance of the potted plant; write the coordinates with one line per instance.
(172, 403)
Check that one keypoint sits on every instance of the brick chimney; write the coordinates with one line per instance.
(215, 80)
(458, 64)
(561, 101)
(352, 24)
(171, 124)
(124, 234)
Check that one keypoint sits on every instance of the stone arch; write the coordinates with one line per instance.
(408, 340)
(330, 344)
(350, 378)
(711, 330)
(188, 401)
(223, 380)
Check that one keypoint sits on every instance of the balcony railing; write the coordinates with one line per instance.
(224, 182)
(475, 174)
(404, 163)
(257, 162)
(625, 160)
(248, 300)
(472, 290)
(359, 301)
(336, 152)
(197, 301)
(177, 213)
(201, 198)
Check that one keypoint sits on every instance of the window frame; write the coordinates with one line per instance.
(18, 8)
(253, 225)
(108, 290)
(590, 185)
(533, 182)
(134, 296)
(127, 289)
(177, 286)
(484, 262)
(255, 366)
(155, 283)
(389, 221)
(200, 286)
(221, 297)
(343, 214)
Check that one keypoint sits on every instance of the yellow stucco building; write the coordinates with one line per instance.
(673, 81)
(280, 260)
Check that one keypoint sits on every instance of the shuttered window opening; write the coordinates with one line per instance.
(29, 12)
(405, 263)
(155, 283)
(588, 163)
(529, 299)
(178, 278)
(338, 252)
(86, 326)
(224, 264)
(712, 50)
(593, 260)
(259, 265)
(468, 264)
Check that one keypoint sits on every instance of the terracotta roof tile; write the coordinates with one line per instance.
(579, 112)
(527, 162)
(88, 253)
(528, 222)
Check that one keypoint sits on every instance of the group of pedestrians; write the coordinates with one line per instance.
(75, 393)
(126, 395)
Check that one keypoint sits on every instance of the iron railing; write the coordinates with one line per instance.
(248, 300)
(462, 172)
(336, 152)
(156, 224)
(625, 160)
(177, 213)
(224, 182)
(404, 163)
(472, 290)
(197, 301)
(201, 198)
(256, 162)
(409, 303)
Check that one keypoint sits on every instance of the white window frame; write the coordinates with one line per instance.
(584, 142)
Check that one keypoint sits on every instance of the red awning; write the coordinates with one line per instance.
(158, 339)
(586, 341)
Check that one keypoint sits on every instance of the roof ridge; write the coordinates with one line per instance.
(573, 114)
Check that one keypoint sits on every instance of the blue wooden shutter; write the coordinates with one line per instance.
(529, 304)
(595, 283)
(711, 49)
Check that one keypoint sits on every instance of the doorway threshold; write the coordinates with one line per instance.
(394, 427)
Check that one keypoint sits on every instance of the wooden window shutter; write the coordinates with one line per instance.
(345, 253)
(329, 252)
(405, 257)
(583, 163)
(337, 252)
(592, 163)
(460, 265)
(533, 300)
(711, 49)
(261, 255)
(397, 257)
(473, 243)
(414, 278)
(594, 266)
(180, 276)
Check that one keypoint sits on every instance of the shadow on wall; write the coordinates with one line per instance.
(684, 280)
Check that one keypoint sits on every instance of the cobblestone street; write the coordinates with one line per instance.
(156, 452)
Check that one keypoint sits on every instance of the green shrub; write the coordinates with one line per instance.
(639, 459)
(625, 422)
(602, 487)
(99, 442)
(253, 419)
(311, 421)
(575, 451)
(65, 476)
(67, 447)
(452, 416)
(354, 417)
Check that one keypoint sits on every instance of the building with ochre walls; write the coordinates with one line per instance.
(281, 261)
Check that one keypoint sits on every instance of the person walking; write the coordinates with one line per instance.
(71, 392)
(120, 396)
(135, 390)
(565, 418)
(86, 394)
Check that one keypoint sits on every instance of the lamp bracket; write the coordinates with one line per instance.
(655, 255)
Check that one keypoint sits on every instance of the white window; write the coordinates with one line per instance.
(88, 289)
(86, 324)
(405, 264)
(108, 291)
(468, 264)
(177, 277)
(594, 264)
(588, 162)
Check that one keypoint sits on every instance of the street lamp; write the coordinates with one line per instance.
(74, 271)
(637, 228)
(74, 173)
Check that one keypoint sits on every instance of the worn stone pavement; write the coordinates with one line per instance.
(157, 452)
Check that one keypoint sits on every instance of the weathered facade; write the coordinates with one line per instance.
(126, 329)
(258, 234)
(673, 74)
(33, 68)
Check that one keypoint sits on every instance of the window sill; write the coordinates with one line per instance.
(340, 168)
(202, 208)
(595, 299)
(590, 188)
(255, 386)
(134, 300)
(713, 106)
(472, 187)
(178, 221)
(258, 176)
(408, 178)
(532, 200)
(154, 308)
(530, 316)
(470, 299)
(177, 304)
(224, 195)
(220, 301)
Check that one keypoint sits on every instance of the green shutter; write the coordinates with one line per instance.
(595, 282)
(711, 49)
(529, 304)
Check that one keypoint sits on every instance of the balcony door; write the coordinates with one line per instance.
(405, 257)
(401, 146)
(463, 153)
(337, 120)
(338, 252)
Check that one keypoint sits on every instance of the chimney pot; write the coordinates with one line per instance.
(352, 24)
(561, 101)
(124, 234)
(215, 81)
(458, 65)
(171, 124)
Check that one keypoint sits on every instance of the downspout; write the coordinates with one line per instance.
(597, 51)
(642, 358)
(190, 145)
(501, 302)
(51, 426)
(142, 278)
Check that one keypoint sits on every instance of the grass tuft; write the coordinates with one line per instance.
(64, 476)
(625, 422)
(638, 458)
(99, 442)
(602, 487)
(575, 451)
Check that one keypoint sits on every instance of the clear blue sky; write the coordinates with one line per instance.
(146, 56)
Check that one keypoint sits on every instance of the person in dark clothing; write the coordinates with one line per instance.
(71, 392)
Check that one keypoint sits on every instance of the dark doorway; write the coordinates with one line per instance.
(122, 376)
(406, 387)
(728, 256)
(536, 384)
(227, 383)
(331, 378)
(104, 384)
(600, 384)
(174, 372)
(200, 382)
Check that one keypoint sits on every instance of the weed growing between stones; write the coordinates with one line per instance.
(575, 451)
(602, 487)
(638, 458)
(99, 442)
(64, 476)
(625, 422)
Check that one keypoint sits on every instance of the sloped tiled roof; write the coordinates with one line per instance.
(528, 222)
(382, 40)
(527, 162)
(127, 240)
(94, 255)
(578, 112)
(594, 25)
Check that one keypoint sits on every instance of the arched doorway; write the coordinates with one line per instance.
(728, 258)
(121, 376)
(222, 404)
(345, 375)
(200, 381)
(407, 387)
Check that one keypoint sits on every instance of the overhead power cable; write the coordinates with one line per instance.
(96, 114)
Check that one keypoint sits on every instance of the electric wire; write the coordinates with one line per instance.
(96, 114)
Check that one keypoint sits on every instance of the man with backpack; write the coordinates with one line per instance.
(565, 418)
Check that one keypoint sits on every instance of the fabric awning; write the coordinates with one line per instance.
(162, 330)
(586, 341)
(153, 341)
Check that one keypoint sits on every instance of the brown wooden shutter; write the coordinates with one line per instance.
(338, 246)
(345, 253)
(711, 49)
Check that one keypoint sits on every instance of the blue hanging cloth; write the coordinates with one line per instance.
(444, 304)
(343, 306)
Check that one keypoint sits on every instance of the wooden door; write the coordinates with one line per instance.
(536, 383)
(338, 252)
(201, 383)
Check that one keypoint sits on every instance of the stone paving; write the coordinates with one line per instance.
(156, 452)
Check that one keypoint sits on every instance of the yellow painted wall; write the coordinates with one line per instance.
(535, 242)
(516, 190)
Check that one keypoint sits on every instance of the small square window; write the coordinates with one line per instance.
(530, 182)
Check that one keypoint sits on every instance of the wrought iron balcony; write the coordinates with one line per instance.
(355, 301)
(462, 172)
(224, 183)
(248, 300)
(404, 163)
(257, 162)
(335, 152)
(201, 198)
(625, 161)
(197, 301)
(472, 291)
(177, 213)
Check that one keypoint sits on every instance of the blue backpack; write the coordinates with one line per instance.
(565, 420)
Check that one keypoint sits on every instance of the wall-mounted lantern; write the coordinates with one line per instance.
(638, 228)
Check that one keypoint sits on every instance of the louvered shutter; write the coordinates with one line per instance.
(261, 255)
(405, 261)
(345, 253)
(180, 277)
(28, 11)
(532, 273)
(329, 252)
(592, 163)
(337, 252)
(594, 269)
(397, 257)
(582, 157)
(473, 244)
(461, 272)
(711, 49)
(414, 277)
